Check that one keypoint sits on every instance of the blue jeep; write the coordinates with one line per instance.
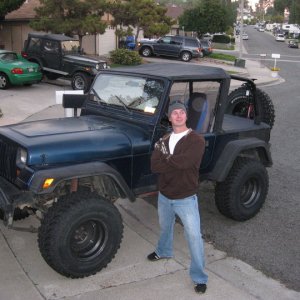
(71, 170)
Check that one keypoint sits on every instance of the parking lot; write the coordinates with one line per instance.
(20, 102)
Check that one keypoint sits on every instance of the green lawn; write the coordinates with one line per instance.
(222, 56)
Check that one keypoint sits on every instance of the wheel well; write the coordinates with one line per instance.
(188, 51)
(258, 154)
(104, 185)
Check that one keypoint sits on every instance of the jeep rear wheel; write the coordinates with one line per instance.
(81, 81)
(238, 104)
(80, 234)
(146, 51)
(186, 56)
(243, 193)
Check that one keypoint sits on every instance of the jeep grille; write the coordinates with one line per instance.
(8, 153)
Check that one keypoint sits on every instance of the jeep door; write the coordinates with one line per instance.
(51, 55)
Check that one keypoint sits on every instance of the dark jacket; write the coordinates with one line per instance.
(179, 173)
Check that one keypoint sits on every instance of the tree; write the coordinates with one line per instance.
(71, 17)
(144, 15)
(292, 5)
(208, 16)
(7, 6)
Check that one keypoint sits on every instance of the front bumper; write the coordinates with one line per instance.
(11, 196)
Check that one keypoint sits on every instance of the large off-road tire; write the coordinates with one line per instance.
(19, 214)
(238, 104)
(4, 82)
(81, 81)
(80, 234)
(243, 193)
(146, 51)
(185, 56)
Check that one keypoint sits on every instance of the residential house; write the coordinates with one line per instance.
(15, 28)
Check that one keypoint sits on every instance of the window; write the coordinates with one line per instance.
(192, 43)
(51, 46)
(176, 41)
(34, 44)
(208, 92)
(132, 93)
(165, 40)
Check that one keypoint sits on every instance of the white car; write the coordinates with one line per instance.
(245, 36)
(261, 29)
(280, 37)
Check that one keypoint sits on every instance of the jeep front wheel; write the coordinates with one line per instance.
(81, 81)
(243, 193)
(80, 234)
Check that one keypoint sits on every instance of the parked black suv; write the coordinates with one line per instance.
(182, 47)
(61, 56)
(70, 171)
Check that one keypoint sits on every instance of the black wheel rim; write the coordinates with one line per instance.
(241, 110)
(89, 239)
(250, 193)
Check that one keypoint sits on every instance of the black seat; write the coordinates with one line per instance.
(198, 112)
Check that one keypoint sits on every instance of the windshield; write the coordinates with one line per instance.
(70, 46)
(131, 93)
(8, 56)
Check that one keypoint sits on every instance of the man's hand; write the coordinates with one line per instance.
(161, 146)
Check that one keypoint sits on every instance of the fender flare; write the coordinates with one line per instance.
(232, 150)
(61, 174)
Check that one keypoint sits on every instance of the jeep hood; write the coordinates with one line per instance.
(82, 58)
(78, 140)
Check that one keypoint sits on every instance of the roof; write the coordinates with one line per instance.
(57, 37)
(174, 71)
(174, 11)
(25, 12)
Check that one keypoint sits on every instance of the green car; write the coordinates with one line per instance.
(15, 70)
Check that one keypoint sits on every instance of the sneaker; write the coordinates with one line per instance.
(153, 257)
(200, 288)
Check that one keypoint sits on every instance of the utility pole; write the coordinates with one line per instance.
(242, 28)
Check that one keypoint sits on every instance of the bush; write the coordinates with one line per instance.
(125, 57)
(221, 39)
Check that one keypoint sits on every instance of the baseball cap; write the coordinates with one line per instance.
(176, 105)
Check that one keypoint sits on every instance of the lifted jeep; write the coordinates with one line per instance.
(71, 170)
(61, 56)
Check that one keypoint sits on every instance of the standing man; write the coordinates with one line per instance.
(176, 158)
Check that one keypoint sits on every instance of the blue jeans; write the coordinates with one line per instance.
(187, 210)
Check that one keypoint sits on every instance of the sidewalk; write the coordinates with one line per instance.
(25, 275)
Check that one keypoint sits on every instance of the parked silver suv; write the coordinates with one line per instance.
(182, 47)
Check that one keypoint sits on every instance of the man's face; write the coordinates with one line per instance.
(178, 117)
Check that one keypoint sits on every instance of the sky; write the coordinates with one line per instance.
(252, 3)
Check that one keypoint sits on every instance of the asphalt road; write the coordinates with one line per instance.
(270, 241)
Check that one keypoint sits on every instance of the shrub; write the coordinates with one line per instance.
(125, 57)
(221, 39)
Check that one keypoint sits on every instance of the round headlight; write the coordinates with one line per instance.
(97, 67)
(22, 156)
